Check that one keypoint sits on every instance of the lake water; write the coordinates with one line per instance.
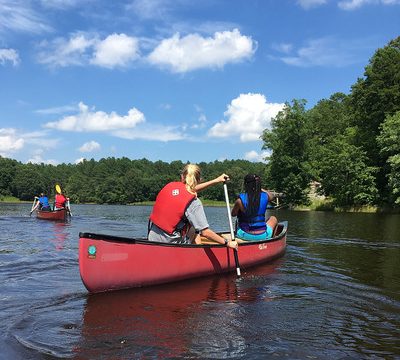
(334, 295)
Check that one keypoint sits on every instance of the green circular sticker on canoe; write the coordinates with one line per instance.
(92, 250)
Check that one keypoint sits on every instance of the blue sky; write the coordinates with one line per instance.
(172, 79)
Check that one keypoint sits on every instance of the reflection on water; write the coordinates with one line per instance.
(335, 294)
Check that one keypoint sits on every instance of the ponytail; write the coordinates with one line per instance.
(191, 177)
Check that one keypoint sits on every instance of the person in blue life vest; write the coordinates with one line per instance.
(42, 203)
(178, 214)
(250, 208)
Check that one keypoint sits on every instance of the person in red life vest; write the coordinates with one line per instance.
(60, 201)
(178, 214)
(250, 208)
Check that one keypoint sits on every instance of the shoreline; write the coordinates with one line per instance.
(325, 206)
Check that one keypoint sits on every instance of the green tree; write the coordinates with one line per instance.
(327, 120)
(28, 182)
(287, 168)
(346, 177)
(8, 169)
(389, 143)
(374, 97)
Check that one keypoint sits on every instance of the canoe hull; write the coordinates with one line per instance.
(111, 263)
(59, 215)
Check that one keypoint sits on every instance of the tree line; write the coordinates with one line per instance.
(349, 144)
(115, 180)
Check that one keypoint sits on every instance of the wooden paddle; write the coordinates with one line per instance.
(235, 251)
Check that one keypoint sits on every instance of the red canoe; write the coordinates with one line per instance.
(110, 262)
(52, 215)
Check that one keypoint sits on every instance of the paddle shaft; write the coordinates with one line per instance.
(235, 251)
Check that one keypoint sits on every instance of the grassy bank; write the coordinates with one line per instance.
(327, 205)
(12, 199)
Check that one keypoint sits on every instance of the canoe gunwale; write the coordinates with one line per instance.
(144, 241)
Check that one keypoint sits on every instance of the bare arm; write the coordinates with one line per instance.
(211, 235)
(205, 185)
(35, 207)
(271, 194)
(237, 207)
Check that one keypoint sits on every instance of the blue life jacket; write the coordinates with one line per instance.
(44, 202)
(256, 222)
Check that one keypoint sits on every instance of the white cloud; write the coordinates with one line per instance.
(88, 120)
(248, 116)
(150, 9)
(90, 146)
(61, 4)
(18, 15)
(256, 157)
(307, 4)
(116, 50)
(57, 110)
(83, 49)
(327, 52)
(10, 142)
(77, 161)
(285, 48)
(41, 139)
(10, 55)
(66, 52)
(355, 4)
(194, 51)
(37, 159)
(151, 132)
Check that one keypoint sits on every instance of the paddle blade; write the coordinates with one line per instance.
(58, 189)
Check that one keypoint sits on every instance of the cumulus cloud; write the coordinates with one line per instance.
(89, 120)
(10, 142)
(248, 116)
(9, 55)
(256, 157)
(116, 50)
(183, 54)
(90, 146)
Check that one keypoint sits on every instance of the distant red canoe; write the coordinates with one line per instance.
(52, 215)
(111, 262)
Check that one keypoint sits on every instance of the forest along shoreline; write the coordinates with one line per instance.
(316, 205)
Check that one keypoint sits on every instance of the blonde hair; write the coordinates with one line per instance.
(191, 177)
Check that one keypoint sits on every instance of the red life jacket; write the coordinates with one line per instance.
(60, 201)
(169, 208)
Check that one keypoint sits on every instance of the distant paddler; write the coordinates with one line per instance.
(61, 201)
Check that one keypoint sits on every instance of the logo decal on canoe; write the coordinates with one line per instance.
(175, 192)
(262, 246)
(92, 251)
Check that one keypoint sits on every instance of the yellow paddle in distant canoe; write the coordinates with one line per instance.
(58, 189)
